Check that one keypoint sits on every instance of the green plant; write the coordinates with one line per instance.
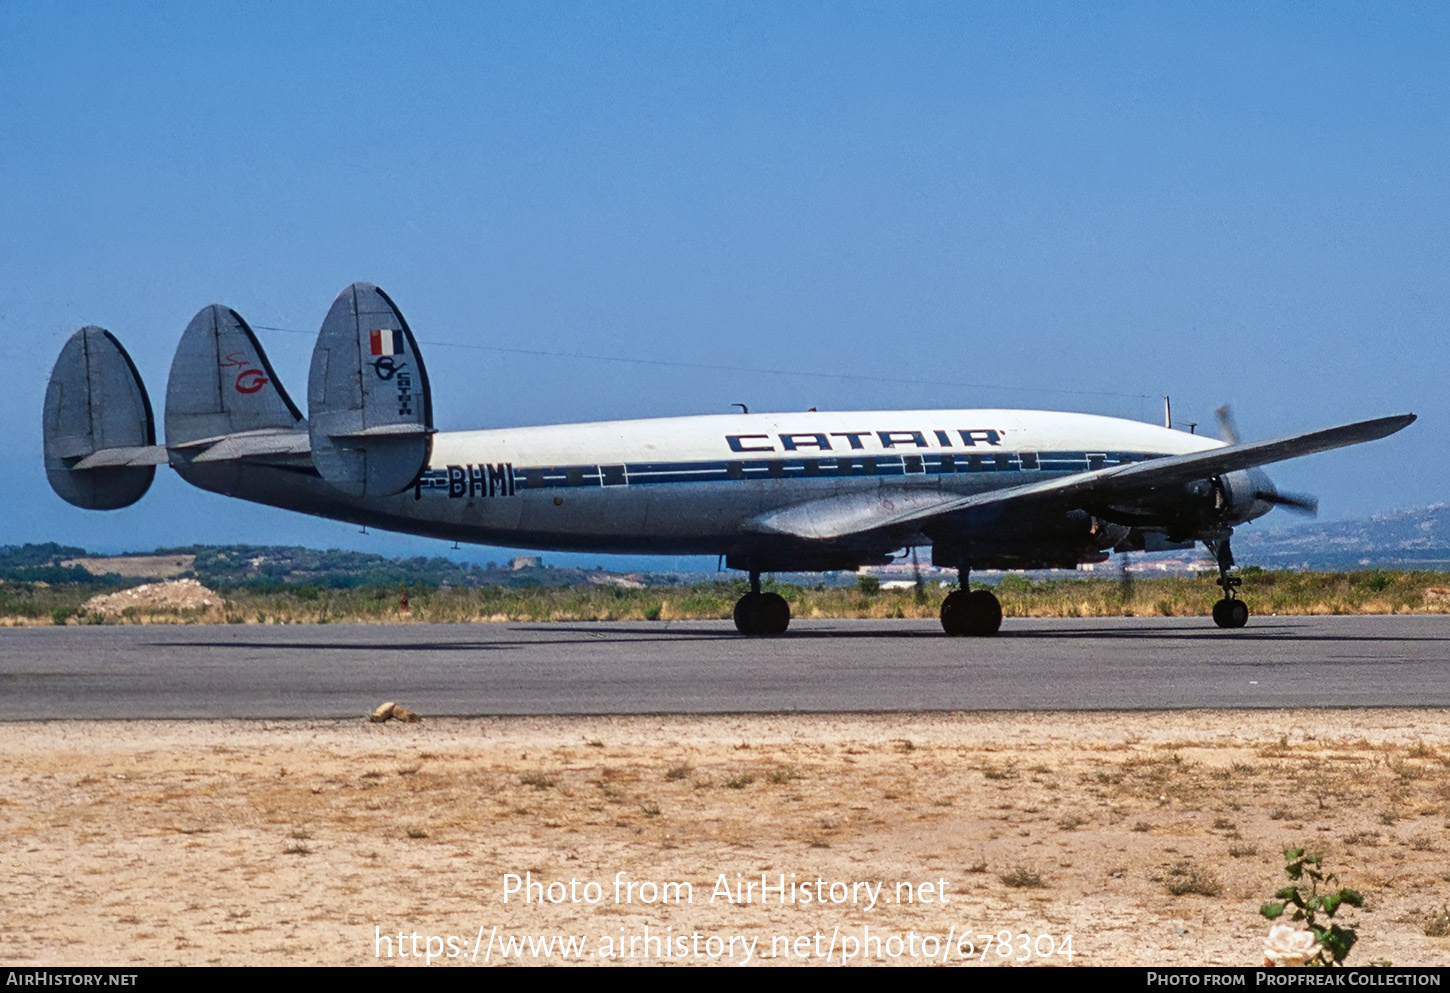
(1315, 909)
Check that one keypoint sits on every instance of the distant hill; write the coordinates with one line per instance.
(1402, 539)
(261, 566)
(44, 563)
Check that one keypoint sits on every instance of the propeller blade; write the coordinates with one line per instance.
(1300, 503)
(1227, 429)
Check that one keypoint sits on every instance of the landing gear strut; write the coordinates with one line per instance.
(1230, 612)
(970, 612)
(758, 613)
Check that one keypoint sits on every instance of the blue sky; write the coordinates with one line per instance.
(1076, 206)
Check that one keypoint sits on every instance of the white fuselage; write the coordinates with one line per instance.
(693, 484)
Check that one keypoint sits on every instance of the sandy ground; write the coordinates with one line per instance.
(278, 843)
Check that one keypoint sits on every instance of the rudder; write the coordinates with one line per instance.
(369, 407)
(100, 436)
(221, 384)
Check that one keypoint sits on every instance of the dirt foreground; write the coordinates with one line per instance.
(1144, 838)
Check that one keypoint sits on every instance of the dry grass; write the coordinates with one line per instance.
(1022, 877)
(1373, 592)
(1110, 826)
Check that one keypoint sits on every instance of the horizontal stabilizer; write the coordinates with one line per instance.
(368, 404)
(137, 455)
(100, 436)
(263, 446)
(385, 431)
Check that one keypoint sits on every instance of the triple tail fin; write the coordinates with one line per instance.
(100, 436)
(371, 412)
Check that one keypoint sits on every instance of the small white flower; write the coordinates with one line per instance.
(1288, 945)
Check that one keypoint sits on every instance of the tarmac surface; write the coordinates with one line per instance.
(307, 671)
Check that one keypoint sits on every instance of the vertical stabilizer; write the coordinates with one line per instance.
(369, 409)
(100, 438)
(222, 384)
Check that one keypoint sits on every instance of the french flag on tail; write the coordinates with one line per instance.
(382, 341)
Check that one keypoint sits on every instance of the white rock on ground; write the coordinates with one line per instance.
(178, 594)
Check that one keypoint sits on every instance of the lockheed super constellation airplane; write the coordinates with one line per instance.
(987, 489)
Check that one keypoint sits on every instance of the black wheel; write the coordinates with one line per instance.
(775, 613)
(971, 612)
(1230, 613)
(762, 614)
(985, 611)
(747, 614)
(954, 613)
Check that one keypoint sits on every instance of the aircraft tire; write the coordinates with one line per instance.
(954, 613)
(1230, 613)
(759, 614)
(974, 613)
(747, 614)
(775, 613)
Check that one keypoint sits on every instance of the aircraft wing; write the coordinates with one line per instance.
(855, 513)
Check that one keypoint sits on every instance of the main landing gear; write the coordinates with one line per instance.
(758, 613)
(1230, 612)
(970, 612)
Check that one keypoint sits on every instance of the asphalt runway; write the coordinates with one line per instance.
(302, 671)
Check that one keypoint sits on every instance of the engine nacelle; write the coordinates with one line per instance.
(1230, 499)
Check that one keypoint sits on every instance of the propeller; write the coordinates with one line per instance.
(1299, 503)
(1227, 429)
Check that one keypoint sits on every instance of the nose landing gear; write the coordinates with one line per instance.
(1230, 612)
